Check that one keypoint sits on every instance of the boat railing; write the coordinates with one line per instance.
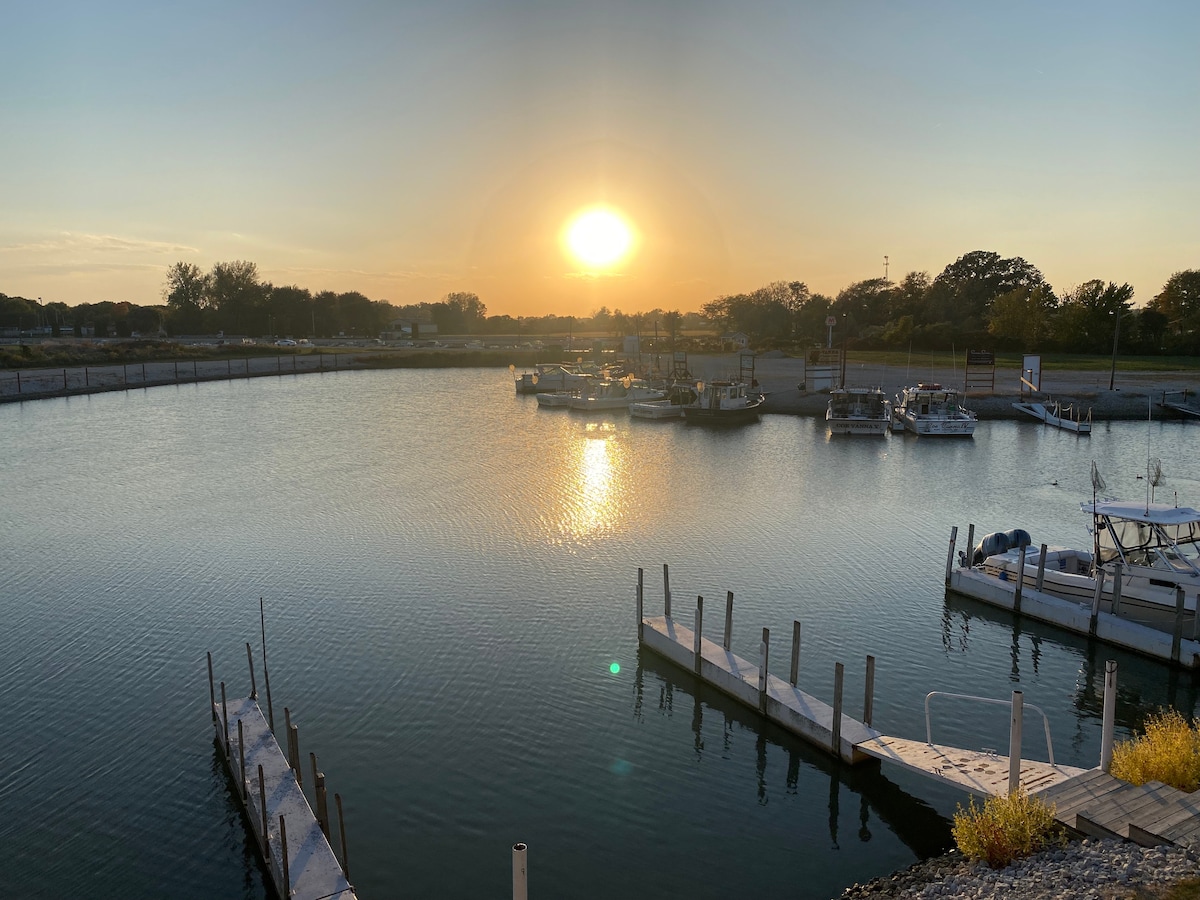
(988, 700)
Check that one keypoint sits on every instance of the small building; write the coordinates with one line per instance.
(735, 340)
(409, 330)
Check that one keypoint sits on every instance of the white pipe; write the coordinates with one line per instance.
(520, 872)
(1110, 711)
(1014, 743)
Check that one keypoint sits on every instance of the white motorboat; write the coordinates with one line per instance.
(671, 407)
(550, 377)
(932, 410)
(723, 403)
(858, 411)
(616, 394)
(556, 399)
(1152, 549)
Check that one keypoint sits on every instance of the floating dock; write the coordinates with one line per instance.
(1177, 401)
(292, 841)
(1178, 646)
(1066, 418)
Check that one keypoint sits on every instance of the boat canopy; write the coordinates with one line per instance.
(1154, 535)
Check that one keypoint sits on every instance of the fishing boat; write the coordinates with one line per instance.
(670, 407)
(723, 403)
(932, 410)
(549, 377)
(615, 394)
(1146, 557)
(858, 411)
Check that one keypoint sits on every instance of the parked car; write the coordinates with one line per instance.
(285, 342)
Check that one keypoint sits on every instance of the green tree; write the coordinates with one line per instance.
(235, 292)
(1020, 318)
(965, 289)
(1179, 303)
(1089, 316)
(187, 297)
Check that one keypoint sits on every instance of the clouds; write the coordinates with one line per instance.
(69, 242)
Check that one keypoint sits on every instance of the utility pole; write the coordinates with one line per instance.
(885, 267)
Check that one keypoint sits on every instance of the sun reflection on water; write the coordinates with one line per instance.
(593, 506)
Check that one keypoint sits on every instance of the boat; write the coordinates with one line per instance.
(723, 403)
(556, 399)
(1153, 548)
(858, 411)
(549, 377)
(671, 407)
(1066, 418)
(932, 410)
(615, 393)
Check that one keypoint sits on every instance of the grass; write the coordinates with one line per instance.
(1169, 752)
(1006, 828)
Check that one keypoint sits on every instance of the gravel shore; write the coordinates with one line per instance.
(1083, 870)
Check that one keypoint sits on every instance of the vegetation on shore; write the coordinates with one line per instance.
(1168, 751)
(1006, 828)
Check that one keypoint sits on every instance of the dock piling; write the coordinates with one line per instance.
(839, 672)
(287, 730)
(262, 803)
(950, 552)
(337, 799)
(970, 545)
(1041, 575)
(322, 802)
(520, 872)
(1110, 711)
(1096, 602)
(1020, 585)
(1014, 742)
(763, 651)
(640, 604)
(294, 733)
(666, 591)
(241, 761)
(728, 619)
(250, 660)
(262, 620)
(1177, 633)
(287, 875)
(795, 672)
(212, 692)
(697, 635)
(225, 719)
(1116, 600)
(869, 692)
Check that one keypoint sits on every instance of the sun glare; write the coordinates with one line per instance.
(598, 238)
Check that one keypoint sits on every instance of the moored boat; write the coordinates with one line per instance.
(549, 377)
(858, 411)
(670, 407)
(932, 410)
(615, 394)
(724, 403)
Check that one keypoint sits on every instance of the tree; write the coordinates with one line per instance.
(962, 293)
(1089, 316)
(1179, 302)
(234, 291)
(187, 296)
(1021, 317)
(466, 308)
(672, 320)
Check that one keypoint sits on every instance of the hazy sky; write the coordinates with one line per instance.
(406, 150)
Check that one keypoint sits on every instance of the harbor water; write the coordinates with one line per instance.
(449, 573)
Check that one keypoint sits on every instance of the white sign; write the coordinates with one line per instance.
(831, 321)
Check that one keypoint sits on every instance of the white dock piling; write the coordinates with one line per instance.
(1110, 714)
(699, 631)
(763, 652)
(1095, 616)
(1020, 586)
(640, 605)
(666, 591)
(970, 544)
(520, 872)
(1041, 575)
(869, 692)
(728, 619)
(950, 552)
(1014, 741)
(795, 672)
(1177, 633)
(839, 672)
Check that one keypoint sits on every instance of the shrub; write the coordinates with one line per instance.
(1169, 752)
(1006, 828)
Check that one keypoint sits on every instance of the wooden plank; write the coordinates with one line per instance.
(1084, 823)
(1087, 786)
(1116, 811)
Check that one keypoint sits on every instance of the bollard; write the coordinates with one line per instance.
(1177, 634)
(262, 801)
(763, 651)
(337, 799)
(241, 761)
(795, 670)
(1020, 586)
(1110, 714)
(520, 872)
(728, 619)
(950, 552)
(225, 719)
(212, 691)
(1014, 742)
(1096, 602)
(1041, 575)
(250, 660)
(287, 879)
(667, 590)
(839, 672)
(869, 692)
(970, 546)
(640, 608)
(696, 637)
(1115, 609)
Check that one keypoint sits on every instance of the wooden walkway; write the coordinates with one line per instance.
(1097, 804)
(311, 870)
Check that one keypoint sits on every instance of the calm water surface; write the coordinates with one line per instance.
(449, 577)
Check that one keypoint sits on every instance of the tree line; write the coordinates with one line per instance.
(981, 300)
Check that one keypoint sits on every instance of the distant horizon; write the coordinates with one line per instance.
(406, 152)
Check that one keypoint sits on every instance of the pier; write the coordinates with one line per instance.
(292, 840)
(1087, 801)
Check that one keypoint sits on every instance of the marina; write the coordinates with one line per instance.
(453, 589)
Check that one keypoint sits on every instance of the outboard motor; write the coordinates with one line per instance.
(991, 544)
(1018, 538)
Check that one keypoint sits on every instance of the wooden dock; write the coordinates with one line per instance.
(1097, 804)
(292, 841)
(1177, 401)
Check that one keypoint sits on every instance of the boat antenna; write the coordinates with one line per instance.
(1097, 485)
(1149, 495)
(1154, 477)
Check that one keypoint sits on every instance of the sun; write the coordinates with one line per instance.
(598, 237)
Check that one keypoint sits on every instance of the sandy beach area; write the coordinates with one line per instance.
(1133, 392)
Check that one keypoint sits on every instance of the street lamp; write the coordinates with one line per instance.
(1116, 337)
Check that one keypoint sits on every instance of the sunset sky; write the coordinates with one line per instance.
(406, 150)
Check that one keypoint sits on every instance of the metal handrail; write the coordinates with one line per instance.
(1008, 703)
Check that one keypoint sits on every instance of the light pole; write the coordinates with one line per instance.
(1116, 337)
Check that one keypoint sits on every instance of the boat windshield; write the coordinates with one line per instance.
(1173, 547)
